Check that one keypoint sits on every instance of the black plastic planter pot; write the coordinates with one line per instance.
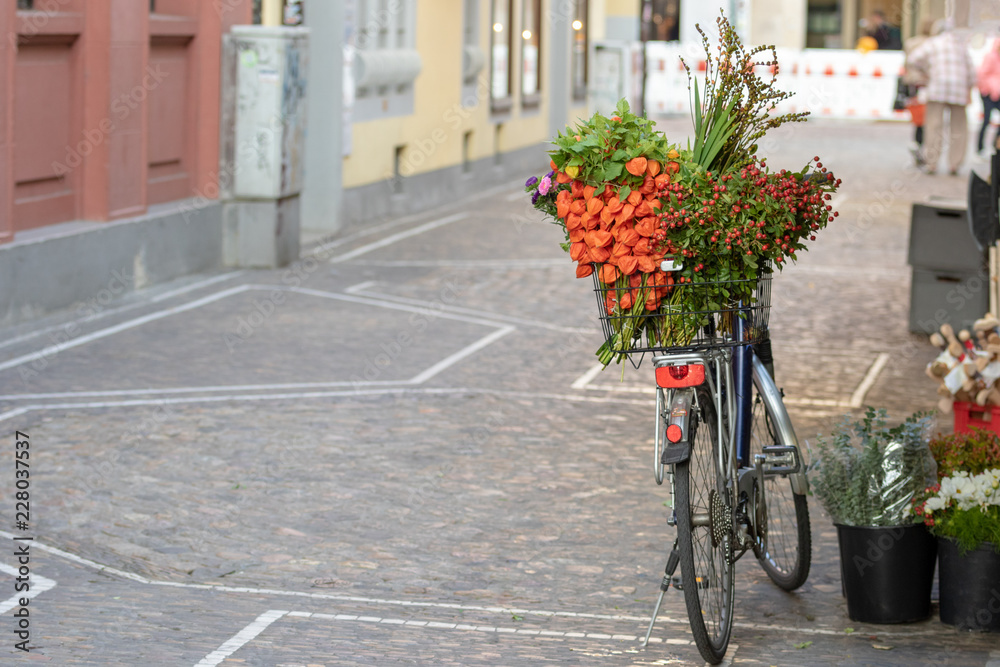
(969, 586)
(887, 572)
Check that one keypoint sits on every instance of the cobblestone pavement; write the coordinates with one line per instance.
(398, 453)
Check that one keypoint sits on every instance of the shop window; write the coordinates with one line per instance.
(500, 49)
(473, 56)
(385, 61)
(531, 51)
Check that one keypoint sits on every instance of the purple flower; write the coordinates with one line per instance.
(534, 197)
(545, 185)
(530, 182)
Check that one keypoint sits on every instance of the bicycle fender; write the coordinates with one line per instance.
(766, 386)
(679, 415)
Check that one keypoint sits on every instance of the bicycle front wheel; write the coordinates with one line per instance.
(786, 552)
(705, 534)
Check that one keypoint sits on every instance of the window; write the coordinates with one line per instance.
(25, 4)
(257, 18)
(500, 48)
(531, 33)
(473, 56)
(578, 60)
(385, 62)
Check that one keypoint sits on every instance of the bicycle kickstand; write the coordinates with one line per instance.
(668, 575)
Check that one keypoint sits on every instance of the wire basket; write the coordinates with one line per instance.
(688, 317)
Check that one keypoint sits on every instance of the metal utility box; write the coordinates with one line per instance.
(950, 278)
(940, 239)
(263, 143)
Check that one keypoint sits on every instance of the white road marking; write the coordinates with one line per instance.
(586, 378)
(53, 350)
(486, 315)
(453, 359)
(132, 306)
(389, 240)
(37, 585)
(858, 397)
(297, 396)
(241, 638)
(763, 627)
(994, 660)
(354, 289)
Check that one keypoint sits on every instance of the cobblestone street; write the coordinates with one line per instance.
(399, 450)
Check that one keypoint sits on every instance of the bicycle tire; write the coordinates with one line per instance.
(707, 569)
(787, 552)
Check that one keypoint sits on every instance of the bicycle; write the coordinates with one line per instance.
(725, 442)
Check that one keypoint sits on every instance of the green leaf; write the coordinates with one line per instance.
(624, 193)
(612, 170)
(803, 645)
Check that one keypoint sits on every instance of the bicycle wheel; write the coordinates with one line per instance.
(787, 550)
(705, 535)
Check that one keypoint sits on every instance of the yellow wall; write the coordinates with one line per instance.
(433, 134)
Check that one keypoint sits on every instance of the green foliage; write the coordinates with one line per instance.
(868, 473)
(974, 452)
(596, 151)
(970, 528)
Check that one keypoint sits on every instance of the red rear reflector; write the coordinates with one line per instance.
(674, 377)
(674, 433)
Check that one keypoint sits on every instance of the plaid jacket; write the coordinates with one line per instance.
(951, 75)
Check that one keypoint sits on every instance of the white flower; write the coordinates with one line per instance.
(935, 503)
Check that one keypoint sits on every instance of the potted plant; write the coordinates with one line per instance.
(866, 476)
(963, 511)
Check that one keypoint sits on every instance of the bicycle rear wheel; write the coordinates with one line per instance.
(704, 508)
(787, 550)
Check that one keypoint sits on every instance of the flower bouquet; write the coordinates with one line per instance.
(965, 503)
(677, 238)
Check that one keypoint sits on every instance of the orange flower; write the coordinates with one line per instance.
(648, 186)
(661, 181)
(588, 193)
(594, 206)
(635, 280)
(615, 205)
(577, 189)
(652, 302)
(600, 255)
(598, 238)
(591, 221)
(584, 270)
(641, 246)
(636, 166)
(652, 168)
(643, 209)
(552, 165)
(577, 206)
(562, 209)
(626, 300)
(628, 264)
(672, 168)
(574, 221)
(607, 217)
(577, 250)
(629, 237)
(634, 198)
(609, 274)
(577, 234)
(626, 214)
(563, 177)
(647, 226)
(648, 263)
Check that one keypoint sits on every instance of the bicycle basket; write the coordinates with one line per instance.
(649, 313)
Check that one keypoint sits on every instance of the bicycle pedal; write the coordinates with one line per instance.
(677, 452)
(781, 460)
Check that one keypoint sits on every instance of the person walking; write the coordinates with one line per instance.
(950, 79)
(988, 81)
(915, 80)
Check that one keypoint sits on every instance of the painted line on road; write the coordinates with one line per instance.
(241, 638)
(858, 397)
(585, 379)
(298, 396)
(839, 632)
(121, 309)
(393, 238)
(37, 584)
(53, 350)
(484, 314)
(453, 359)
